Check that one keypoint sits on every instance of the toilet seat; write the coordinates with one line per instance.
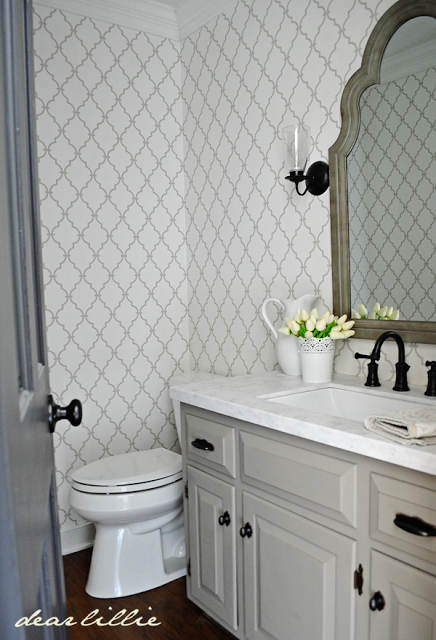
(129, 472)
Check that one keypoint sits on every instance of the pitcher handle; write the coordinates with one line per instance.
(265, 315)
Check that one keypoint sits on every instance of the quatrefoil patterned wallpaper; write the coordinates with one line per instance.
(114, 233)
(166, 219)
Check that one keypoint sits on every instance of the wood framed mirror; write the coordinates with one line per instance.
(383, 248)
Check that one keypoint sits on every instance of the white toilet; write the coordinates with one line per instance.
(135, 501)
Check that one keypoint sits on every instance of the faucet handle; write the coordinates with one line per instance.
(372, 380)
(362, 355)
(431, 387)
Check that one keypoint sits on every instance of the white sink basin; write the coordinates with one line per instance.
(351, 404)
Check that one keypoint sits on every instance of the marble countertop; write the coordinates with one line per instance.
(239, 397)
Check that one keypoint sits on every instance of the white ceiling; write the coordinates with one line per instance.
(174, 19)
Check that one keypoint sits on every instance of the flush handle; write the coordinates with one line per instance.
(72, 413)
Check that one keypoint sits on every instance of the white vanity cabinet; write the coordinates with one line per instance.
(408, 592)
(212, 547)
(296, 575)
(410, 600)
(277, 527)
(287, 576)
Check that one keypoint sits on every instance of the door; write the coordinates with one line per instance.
(405, 601)
(212, 544)
(297, 576)
(31, 577)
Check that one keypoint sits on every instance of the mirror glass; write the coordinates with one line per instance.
(391, 180)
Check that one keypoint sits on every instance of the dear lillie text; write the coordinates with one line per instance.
(120, 619)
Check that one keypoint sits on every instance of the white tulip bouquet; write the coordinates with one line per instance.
(305, 325)
(378, 313)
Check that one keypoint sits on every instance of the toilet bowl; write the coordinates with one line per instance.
(135, 501)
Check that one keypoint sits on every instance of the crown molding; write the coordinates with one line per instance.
(155, 18)
(152, 17)
(407, 62)
(194, 14)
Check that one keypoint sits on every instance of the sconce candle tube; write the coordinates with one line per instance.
(297, 144)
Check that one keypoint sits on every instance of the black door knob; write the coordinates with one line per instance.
(73, 413)
(246, 531)
(224, 519)
(377, 602)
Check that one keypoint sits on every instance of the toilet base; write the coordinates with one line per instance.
(126, 560)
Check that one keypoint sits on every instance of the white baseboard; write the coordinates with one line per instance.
(77, 538)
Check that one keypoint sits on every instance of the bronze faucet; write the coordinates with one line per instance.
(401, 367)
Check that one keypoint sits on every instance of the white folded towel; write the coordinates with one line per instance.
(407, 427)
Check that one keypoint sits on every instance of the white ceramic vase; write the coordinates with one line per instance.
(316, 359)
(287, 346)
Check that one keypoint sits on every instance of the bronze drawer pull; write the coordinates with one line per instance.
(204, 445)
(414, 525)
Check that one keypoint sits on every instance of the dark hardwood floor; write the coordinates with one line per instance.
(179, 618)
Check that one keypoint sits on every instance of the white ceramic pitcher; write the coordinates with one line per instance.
(287, 346)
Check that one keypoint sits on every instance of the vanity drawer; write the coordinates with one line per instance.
(319, 482)
(215, 444)
(391, 497)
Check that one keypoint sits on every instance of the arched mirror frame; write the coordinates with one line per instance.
(367, 75)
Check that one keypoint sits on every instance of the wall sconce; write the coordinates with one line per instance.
(297, 143)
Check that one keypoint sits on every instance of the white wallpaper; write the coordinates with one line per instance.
(113, 218)
(255, 69)
(133, 295)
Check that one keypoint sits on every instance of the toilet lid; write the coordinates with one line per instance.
(134, 471)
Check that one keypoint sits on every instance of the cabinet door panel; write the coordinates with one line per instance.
(212, 546)
(410, 601)
(323, 482)
(298, 577)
